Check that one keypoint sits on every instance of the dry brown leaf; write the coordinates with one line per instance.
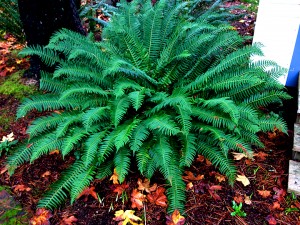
(115, 177)
(137, 199)
(158, 197)
(207, 162)
(56, 151)
(238, 199)
(47, 173)
(175, 219)
(68, 220)
(247, 200)
(88, 191)
(120, 188)
(271, 220)
(264, 193)
(261, 156)
(279, 194)
(220, 177)
(276, 205)
(191, 177)
(21, 187)
(200, 158)
(126, 217)
(189, 186)
(212, 191)
(4, 170)
(41, 217)
(145, 186)
(245, 181)
(238, 155)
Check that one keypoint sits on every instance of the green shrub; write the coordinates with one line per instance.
(10, 18)
(162, 87)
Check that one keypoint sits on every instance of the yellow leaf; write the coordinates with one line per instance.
(126, 217)
(238, 156)
(245, 181)
(115, 177)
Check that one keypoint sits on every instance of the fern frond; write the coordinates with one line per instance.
(94, 115)
(120, 107)
(71, 140)
(58, 191)
(122, 163)
(82, 181)
(162, 123)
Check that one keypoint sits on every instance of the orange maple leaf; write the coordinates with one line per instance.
(88, 191)
(264, 193)
(21, 187)
(200, 158)
(137, 199)
(115, 177)
(10, 69)
(191, 177)
(175, 219)
(41, 217)
(120, 188)
(68, 220)
(158, 197)
(56, 151)
(145, 186)
(261, 156)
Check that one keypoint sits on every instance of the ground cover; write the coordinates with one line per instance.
(260, 191)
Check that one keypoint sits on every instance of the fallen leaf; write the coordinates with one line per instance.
(145, 186)
(207, 162)
(120, 188)
(264, 193)
(191, 177)
(9, 137)
(200, 158)
(158, 197)
(41, 217)
(247, 200)
(47, 173)
(276, 205)
(10, 69)
(21, 187)
(238, 199)
(189, 186)
(126, 217)
(56, 151)
(279, 194)
(212, 191)
(271, 220)
(115, 177)
(3, 73)
(88, 191)
(4, 170)
(137, 199)
(175, 219)
(261, 156)
(68, 220)
(19, 61)
(238, 156)
(245, 181)
(220, 177)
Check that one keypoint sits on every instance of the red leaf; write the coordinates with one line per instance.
(41, 217)
(68, 220)
(137, 199)
(212, 192)
(158, 197)
(120, 188)
(175, 219)
(88, 191)
(271, 220)
(279, 194)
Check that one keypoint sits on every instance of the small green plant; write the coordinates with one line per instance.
(290, 210)
(164, 85)
(7, 143)
(237, 210)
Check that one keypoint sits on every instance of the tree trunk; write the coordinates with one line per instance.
(41, 19)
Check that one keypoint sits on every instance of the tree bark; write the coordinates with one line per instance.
(41, 19)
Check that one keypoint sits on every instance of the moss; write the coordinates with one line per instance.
(13, 86)
(12, 212)
(5, 120)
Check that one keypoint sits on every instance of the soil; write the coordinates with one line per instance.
(209, 199)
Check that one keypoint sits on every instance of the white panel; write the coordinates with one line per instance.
(276, 28)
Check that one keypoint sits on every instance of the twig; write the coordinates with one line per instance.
(145, 214)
